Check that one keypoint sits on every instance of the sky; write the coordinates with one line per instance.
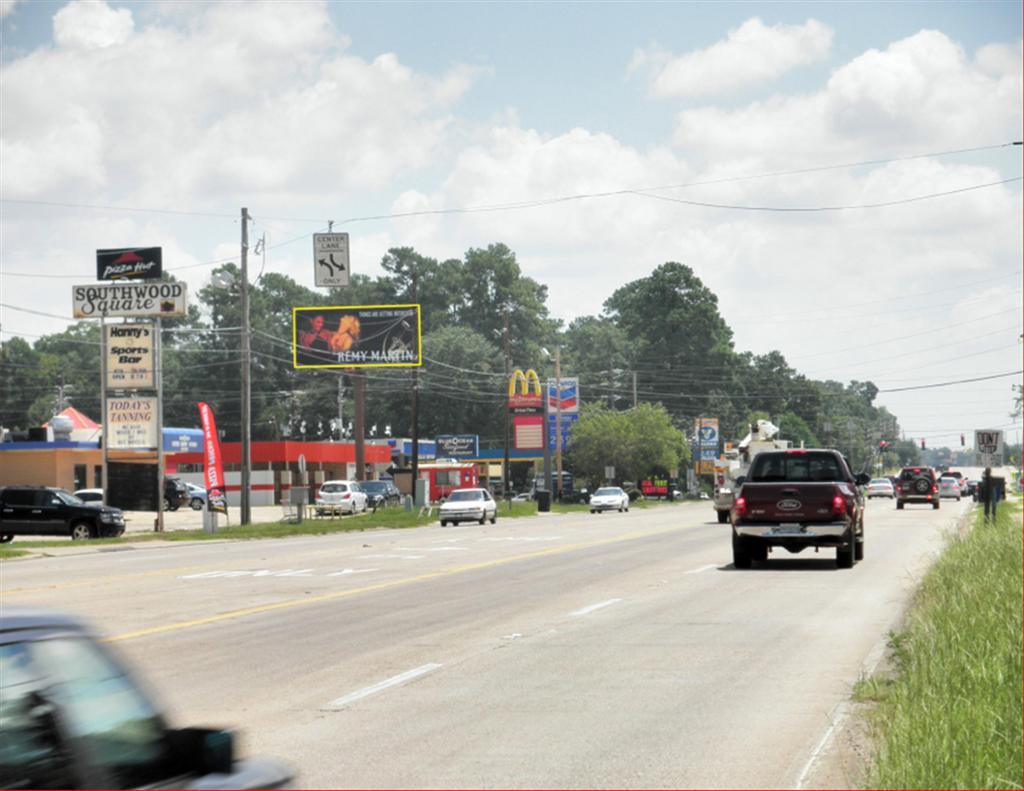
(840, 175)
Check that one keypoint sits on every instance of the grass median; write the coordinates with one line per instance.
(949, 716)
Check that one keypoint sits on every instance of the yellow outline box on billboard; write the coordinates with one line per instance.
(357, 336)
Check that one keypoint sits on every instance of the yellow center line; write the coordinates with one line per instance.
(448, 572)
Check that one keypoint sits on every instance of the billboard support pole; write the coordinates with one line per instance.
(158, 364)
(245, 511)
(558, 422)
(359, 424)
(104, 483)
(414, 406)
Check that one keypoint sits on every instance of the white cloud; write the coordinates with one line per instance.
(752, 53)
(91, 24)
(7, 7)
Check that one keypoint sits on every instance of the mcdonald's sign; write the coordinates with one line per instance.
(524, 392)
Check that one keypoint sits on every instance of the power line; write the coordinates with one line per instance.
(955, 382)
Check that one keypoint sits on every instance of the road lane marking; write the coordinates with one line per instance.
(702, 568)
(593, 607)
(335, 595)
(95, 581)
(394, 681)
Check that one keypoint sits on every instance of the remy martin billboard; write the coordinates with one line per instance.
(356, 336)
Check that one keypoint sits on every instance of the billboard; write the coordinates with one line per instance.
(988, 444)
(129, 263)
(132, 423)
(356, 336)
(129, 299)
(130, 361)
(458, 446)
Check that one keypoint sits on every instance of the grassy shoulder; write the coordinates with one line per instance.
(382, 518)
(949, 716)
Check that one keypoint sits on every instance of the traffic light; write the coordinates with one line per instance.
(922, 445)
(962, 443)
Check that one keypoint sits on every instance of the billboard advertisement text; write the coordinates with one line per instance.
(356, 336)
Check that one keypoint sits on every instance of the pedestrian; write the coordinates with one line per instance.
(988, 494)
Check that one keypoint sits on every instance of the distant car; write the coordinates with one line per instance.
(522, 497)
(469, 505)
(90, 496)
(343, 496)
(972, 488)
(175, 494)
(609, 498)
(381, 493)
(917, 485)
(949, 488)
(881, 487)
(197, 496)
(73, 717)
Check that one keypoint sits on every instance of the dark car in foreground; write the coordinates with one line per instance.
(795, 499)
(49, 511)
(73, 717)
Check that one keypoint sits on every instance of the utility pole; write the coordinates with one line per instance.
(504, 469)
(246, 515)
(558, 422)
(359, 386)
(341, 402)
(634, 389)
(415, 406)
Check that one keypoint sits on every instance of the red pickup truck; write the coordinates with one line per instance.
(797, 499)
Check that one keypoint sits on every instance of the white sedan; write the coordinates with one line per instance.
(469, 505)
(340, 497)
(881, 487)
(609, 498)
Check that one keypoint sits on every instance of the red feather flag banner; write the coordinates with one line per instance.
(213, 468)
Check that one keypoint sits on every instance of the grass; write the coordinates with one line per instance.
(950, 715)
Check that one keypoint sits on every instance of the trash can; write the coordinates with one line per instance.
(543, 500)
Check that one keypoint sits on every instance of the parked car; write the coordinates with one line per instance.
(522, 497)
(73, 717)
(197, 496)
(48, 511)
(881, 487)
(90, 496)
(949, 488)
(917, 485)
(381, 493)
(175, 494)
(469, 505)
(972, 488)
(609, 498)
(343, 496)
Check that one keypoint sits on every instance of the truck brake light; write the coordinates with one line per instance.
(740, 507)
(838, 505)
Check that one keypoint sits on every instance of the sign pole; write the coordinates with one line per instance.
(104, 481)
(157, 358)
(558, 422)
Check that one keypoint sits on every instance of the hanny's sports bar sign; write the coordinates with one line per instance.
(130, 363)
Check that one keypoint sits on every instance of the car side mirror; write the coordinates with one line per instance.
(740, 481)
(862, 479)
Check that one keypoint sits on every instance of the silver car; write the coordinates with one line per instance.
(341, 497)
(881, 487)
(609, 498)
(469, 505)
(949, 487)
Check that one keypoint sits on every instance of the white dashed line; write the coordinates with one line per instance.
(702, 568)
(592, 607)
(394, 681)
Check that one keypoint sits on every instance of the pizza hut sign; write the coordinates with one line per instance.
(130, 299)
(135, 263)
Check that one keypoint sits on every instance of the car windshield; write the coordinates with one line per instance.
(914, 474)
(880, 482)
(769, 467)
(333, 488)
(377, 487)
(67, 497)
(465, 495)
(607, 492)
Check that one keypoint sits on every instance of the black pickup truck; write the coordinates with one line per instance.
(48, 511)
(795, 499)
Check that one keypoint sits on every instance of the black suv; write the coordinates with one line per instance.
(917, 485)
(176, 494)
(48, 511)
(380, 493)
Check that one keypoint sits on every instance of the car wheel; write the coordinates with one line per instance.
(6, 538)
(844, 555)
(80, 531)
(444, 523)
(858, 550)
(899, 505)
(483, 518)
(196, 504)
(364, 506)
(593, 511)
(741, 555)
(494, 519)
(935, 505)
(723, 517)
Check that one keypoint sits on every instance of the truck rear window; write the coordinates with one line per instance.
(786, 467)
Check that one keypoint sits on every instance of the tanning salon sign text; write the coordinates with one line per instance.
(132, 423)
(130, 356)
(130, 299)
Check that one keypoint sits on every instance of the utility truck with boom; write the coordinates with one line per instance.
(728, 471)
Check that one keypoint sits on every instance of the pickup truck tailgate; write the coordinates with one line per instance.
(789, 502)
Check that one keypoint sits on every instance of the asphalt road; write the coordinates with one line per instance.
(564, 651)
